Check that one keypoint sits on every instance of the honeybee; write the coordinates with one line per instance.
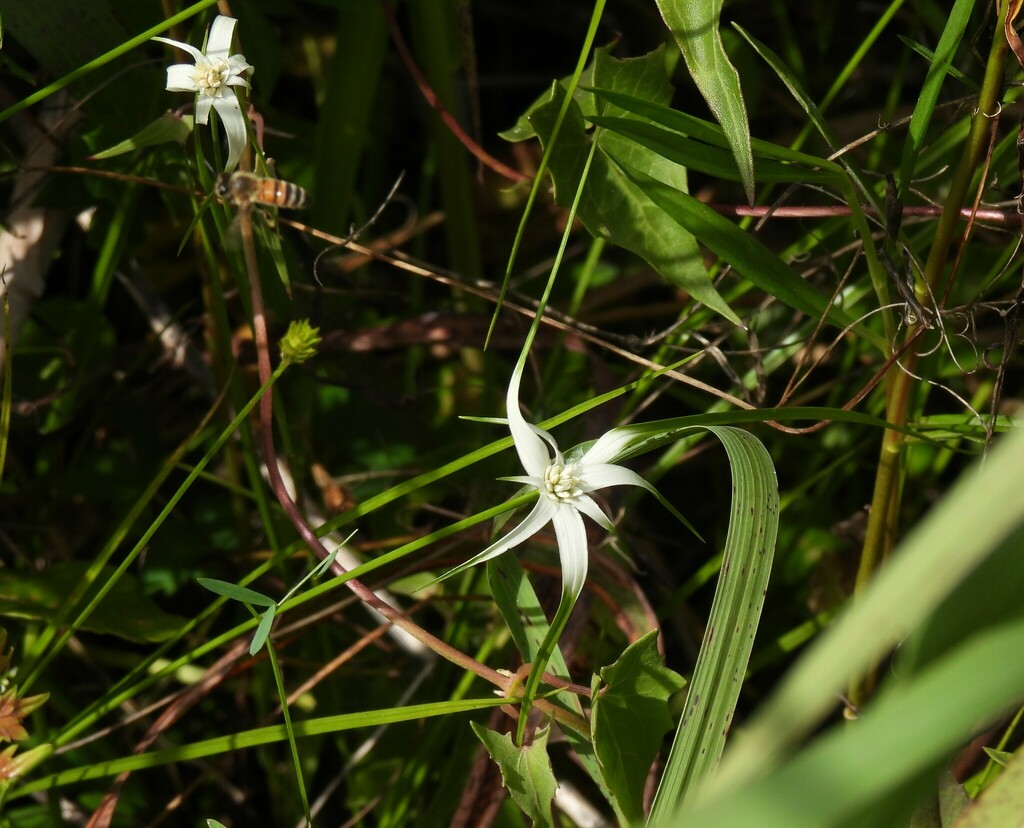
(244, 189)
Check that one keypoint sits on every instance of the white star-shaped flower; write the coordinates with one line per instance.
(211, 77)
(564, 485)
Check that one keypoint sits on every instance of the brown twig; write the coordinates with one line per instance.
(366, 595)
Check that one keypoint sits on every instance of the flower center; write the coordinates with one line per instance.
(562, 483)
(211, 77)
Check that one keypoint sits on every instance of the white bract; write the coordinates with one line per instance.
(211, 77)
(564, 487)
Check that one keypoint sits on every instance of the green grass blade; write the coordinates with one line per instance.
(929, 96)
(840, 777)
(253, 738)
(694, 25)
(959, 533)
(735, 613)
(749, 256)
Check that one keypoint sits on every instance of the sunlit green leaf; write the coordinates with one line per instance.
(961, 531)
(616, 208)
(735, 614)
(629, 718)
(838, 778)
(945, 51)
(258, 736)
(236, 592)
(745, 253)
(165, 129)
(526, 771)
(263, 630)
(694, 25)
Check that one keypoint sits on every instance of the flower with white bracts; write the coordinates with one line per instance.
(564, 485)
(211, 77)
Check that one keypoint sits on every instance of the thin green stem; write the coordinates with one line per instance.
(544, 652)
(279, 682)
(588, 44)
(881, 529)
(566, 603)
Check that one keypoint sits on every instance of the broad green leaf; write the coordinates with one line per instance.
(212, 823)
(987, 597)
(616, 208)
(694, 25)
(643, 77)
(744, 252)
(520, 608)
(929, 96)
(912, 728)
(165, 129)
(236, 592)
(735, 613)
(126, 612)
(629, 717)
(960, 532)
(526, 771)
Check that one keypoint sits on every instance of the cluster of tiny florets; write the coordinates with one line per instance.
(562, 483)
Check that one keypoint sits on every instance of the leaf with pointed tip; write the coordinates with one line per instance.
(168, 127)
(616, 208)
(236, 592)
(956, 25)
(526, 771)
(630, 715)
(263, 630)
(694, 25)
(745, 253)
